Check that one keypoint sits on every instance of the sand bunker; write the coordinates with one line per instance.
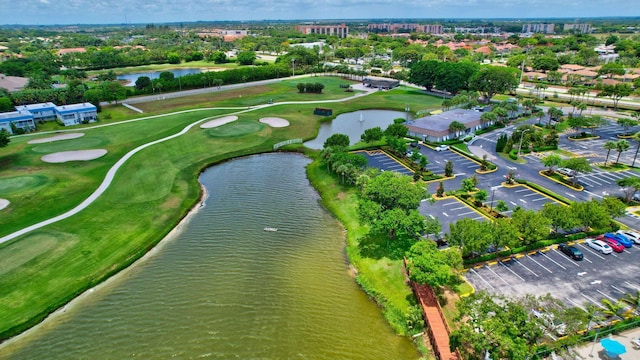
(4, 203)
(275, 122)
(56, 138)
(219, 122)
(78, 155)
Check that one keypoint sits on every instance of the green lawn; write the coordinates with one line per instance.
(152, 191)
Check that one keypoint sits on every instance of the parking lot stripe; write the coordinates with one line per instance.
(513, 272)
(481, 278)
(533, 194)
(607, 296)
(521, 190)
(593, 301)
(591, 251)
(496, 274)
(531, 271)
(564, 257)
(542, 266)
(632, 286)
(538, 199)
(618, 289)
(553, 261)
(593, 194)
(574, 303)
(467, 213)
(451, 203)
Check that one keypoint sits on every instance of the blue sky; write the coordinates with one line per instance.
(45, 12)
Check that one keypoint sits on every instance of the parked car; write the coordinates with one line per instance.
(571, 251)
(614, 244)
(631, 235)
(599, 245)
(621, 239)
(441, 147)
(566, 172)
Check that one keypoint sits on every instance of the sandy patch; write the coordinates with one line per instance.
(275, 122)
(4, 203)
(219, 122)
(56, 138)
(78, 155)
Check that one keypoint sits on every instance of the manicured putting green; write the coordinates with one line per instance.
(68, 145)
(14, 184)
(235, 129)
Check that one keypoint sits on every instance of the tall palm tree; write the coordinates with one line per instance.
(633, 300)
(616, 309)
(609, 145)
(581, 106)
(636, 137)
(621, 145)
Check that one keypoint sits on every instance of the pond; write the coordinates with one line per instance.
(225, 288)
(354, 124)
(131, 78)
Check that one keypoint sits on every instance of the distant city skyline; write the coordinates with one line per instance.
(53, 12)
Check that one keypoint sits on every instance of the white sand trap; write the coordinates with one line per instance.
(78, 155)
(275, 122)
(4, 203)
(56, 138)
(219, 122)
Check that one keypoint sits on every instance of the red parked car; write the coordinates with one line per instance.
(615, 245)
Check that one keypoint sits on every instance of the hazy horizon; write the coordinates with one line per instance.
(97, 12)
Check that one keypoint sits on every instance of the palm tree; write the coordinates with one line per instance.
(581, 106)
(621, 145)
(612, 310)
(609, 145)
(633, 300)
(636, 137)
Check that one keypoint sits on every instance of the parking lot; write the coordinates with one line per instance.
(576, 283)
(449, 211)
(379, 159)
(438, 159)
(521, 196)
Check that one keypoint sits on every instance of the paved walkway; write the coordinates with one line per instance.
(589, 351)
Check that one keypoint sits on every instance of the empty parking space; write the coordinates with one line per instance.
(599, 183)
(380, 159)
(438, 159)
(576, 283)
(448, 211)
(519, 196)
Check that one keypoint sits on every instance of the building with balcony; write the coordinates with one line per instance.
(341, 31)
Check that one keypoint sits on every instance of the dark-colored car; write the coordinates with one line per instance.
(571, 251)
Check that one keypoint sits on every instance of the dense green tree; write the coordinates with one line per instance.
(430, 266)
(457, 127)
(616, 92)
(560, 216)
(424, 73)
(337, 140)
(396, 130)
(614, 206)
(630, 186)
(389, 205)
(626, 124)
(143, 82)
(4, 138)
(448, 168)
(531, 225)
(246, 57)
(491, 80)
(611, 68)
(473, 237)
(219, 57)
(5, 104)
(551, 161)
(371, 135)
(590, 215)
(503, 233)
(545, 63)
(578, 165)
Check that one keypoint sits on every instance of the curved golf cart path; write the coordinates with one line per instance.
(114, 169)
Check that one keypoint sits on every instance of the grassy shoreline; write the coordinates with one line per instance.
(152, 192)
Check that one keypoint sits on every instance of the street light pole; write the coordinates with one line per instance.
(493, 193)
(521, 137)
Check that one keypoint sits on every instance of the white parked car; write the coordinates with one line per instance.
(566, 172)
(441, 147)
(599, 245)
(631, 235)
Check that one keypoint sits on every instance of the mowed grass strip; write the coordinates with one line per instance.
(67, 184)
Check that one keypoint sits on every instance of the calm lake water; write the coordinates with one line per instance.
(224, 288)
(131, 78)
(354, 124)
